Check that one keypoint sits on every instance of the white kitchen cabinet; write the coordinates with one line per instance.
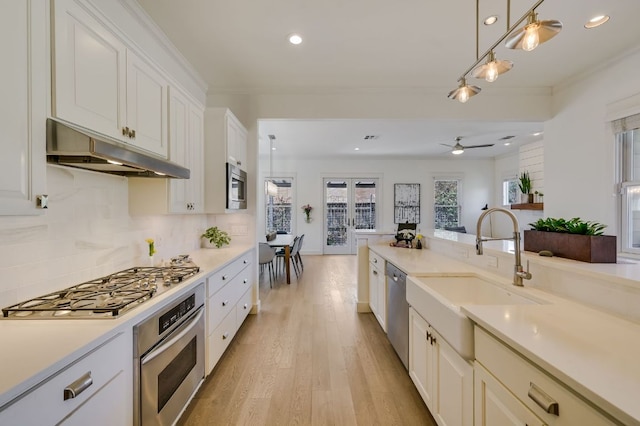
(225, 142)
(377, 289)
(509, 389)
(23, 110)
(186, 139)
(228, 304)
(443, 378)
(100, 379)
(99, 83)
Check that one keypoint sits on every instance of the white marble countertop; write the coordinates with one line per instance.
(33, 350)
(593, 352)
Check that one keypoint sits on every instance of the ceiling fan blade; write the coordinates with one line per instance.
(444, 144)
(479, 146)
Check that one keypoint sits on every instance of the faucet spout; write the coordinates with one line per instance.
(518, 271)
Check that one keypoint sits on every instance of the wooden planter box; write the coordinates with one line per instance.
(585, 248)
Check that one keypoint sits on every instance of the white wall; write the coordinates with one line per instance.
(579, 147)
(477, 188)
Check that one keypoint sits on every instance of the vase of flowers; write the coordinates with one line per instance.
(307, 211)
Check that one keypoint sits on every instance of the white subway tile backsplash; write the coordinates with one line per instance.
(87, 233)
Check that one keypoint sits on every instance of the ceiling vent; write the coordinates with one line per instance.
(506, 138)
(371, 137)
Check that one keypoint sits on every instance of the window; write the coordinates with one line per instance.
(628, 153)
(278, 200)
(510, 191)
(446, 203)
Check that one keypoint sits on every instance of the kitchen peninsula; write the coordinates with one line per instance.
(585, 343)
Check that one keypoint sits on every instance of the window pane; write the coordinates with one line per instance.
(509, 192)
(633, 224)
(278, 207)
(365, 205)
(446, 206)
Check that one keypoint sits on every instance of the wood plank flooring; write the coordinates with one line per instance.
(308, 358)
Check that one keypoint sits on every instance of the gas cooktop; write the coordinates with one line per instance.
(106, 297)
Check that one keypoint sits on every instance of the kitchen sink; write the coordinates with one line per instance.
(438, 300)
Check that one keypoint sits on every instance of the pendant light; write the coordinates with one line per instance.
(492, 68)
(464, 91)
(533, 33)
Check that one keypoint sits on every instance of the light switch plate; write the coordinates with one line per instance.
(492, 261)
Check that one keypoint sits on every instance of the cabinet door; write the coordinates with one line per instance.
(374, 275)
(420, 357)
(23, 107)
(496, 406)
(196, 163)
(89, 68)
(105, 408)
(147, 94)
(236, 142)
(382, 300)
(178, 140)
(453, 385)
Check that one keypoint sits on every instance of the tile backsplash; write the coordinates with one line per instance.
(87, 232)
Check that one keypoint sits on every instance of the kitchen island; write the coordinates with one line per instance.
(591, 350)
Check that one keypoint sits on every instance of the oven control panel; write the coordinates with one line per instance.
(174, 314)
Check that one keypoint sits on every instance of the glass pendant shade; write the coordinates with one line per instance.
(534, 33)
(492, 68)
(464, 91)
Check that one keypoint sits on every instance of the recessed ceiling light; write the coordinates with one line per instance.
(295, 39)
(273, 148)
(490, 20)
(356, 149)
(507, 143)
(537, 133)
(596, 21)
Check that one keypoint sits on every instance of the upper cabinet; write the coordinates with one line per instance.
(101, 84)
(23, 109)
(186, 139)
(225, 142)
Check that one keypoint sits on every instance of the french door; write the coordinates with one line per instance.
(349, 205)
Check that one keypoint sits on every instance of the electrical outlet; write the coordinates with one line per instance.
(492, 261)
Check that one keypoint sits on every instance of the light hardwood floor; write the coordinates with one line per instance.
(308, 358)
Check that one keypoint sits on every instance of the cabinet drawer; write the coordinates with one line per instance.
(46, 404)
(219, 339)
(221, 277)
(529, 383)
(244, 307)
(375, 259)
(222, 302)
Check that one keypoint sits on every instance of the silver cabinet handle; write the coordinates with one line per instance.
(375, 272)
(225, 303)
(395, 278)
(245, 261)
(245, 281)
(541, 398)
(245, 306)
(79, 386)
(224, 277)
(225, 335)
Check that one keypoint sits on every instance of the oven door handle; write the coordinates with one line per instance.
(159, 350)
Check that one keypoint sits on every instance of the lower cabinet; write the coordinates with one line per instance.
(94, 389)
(228, 304)
(510, 390)
(443, 378)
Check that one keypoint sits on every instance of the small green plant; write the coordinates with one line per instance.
(216, 236)
(571, 226)
(524, 182)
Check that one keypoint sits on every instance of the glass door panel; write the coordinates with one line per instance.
(350, 204)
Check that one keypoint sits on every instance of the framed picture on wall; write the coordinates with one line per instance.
(406, 203)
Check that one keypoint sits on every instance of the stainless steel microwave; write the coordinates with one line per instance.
(236, 188)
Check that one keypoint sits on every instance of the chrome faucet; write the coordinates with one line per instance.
(518, 272)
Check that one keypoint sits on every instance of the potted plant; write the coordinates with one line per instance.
(524, 183)
(572, 239)
(215, 237)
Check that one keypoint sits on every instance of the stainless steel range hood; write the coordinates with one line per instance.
(79, 148)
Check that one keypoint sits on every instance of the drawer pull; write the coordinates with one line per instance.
(225, 335)
(245, 281)
(375, 272)
(225, 303)
(224, 278)
(375, 260)
(79, 386)
(245, 306)
(245, 261)
(545, 402)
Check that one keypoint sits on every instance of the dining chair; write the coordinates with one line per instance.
(298, 258)
(266, 254)
(293, 250)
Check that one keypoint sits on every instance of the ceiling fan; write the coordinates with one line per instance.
(458, 148)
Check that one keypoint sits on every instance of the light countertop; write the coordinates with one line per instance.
(593, 352)
(33, 350)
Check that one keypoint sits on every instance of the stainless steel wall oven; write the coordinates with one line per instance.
(236, 188)
(169, 359)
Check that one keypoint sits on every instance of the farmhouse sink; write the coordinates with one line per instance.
(438, 300)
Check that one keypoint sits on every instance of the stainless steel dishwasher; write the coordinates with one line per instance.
(398, 312)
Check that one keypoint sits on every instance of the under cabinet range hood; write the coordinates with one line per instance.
(83, 149)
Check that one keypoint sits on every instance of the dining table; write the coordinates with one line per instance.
(284, 240)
